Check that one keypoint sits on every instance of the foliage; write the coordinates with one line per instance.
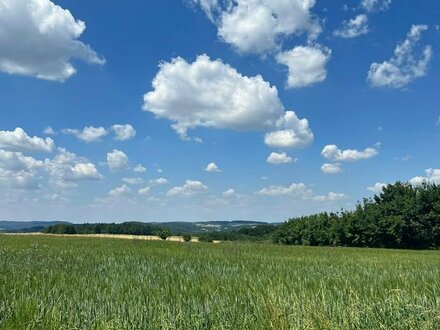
(164, 234)
(254, 233)
(402, 216)
(187, 237)
(49, 282)
(128, 228)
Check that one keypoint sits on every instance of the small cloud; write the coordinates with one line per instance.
(123, 132)
(331, 168)
(279, 158)
(377, 188)
(139, 169)
(120, 191)
(190, 188)
(49, 131)
(117, 160)
(212, 167)
(144, 191)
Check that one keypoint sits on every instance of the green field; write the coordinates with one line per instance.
(92, 283)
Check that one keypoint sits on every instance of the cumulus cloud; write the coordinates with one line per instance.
(258, 26)
(295, 189)
(18, 140)
(144, 191)
(375, 5)
(190, 188)
(377, 188)
(123, 132)
(209, 93)
(432, 176)
(333, 153)
(120, 191)
(405, 66)
(66, 169)
(159, 181)
(297, 133)
(139, 169)
(300, 191)
(306, 65)
(229, 193)
(49, 131)
(354, 27)
(279, 158)
(87, 134)
(117, 160)
(212, 167)
(39, 38)
(19, 171)
(330, 197)
(133, 181)
(331, 168)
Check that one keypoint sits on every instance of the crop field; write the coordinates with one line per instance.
(105, 283)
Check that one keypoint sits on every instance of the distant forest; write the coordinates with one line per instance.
(402, 216)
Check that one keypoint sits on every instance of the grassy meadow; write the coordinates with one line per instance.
(97, 283)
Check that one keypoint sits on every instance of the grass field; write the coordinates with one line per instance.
(97, 283)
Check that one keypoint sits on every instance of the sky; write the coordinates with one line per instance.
(198, 110)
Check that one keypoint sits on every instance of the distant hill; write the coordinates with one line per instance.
(26, 226)
(176, 227)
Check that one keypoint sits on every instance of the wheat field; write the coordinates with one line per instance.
(49, 282)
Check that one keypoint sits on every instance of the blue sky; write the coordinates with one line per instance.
(213, 110)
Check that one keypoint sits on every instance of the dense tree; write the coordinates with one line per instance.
(402, 216)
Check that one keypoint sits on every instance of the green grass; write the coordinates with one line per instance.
(91, 283)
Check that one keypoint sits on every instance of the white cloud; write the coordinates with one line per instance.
(133, 181)
(209, 93)
(432, 176)
(300, 191)
(39, 38)
(405, 66)
(139, 169)
(123, 132)
(330, 197)
(66, 168)
(144, 191)
(332, 153)
(212, 167)
(331, 168)
(258, 26)
(229, 193)
(18, 140)
(210, 7)
(87, 134)
(377, 188)
(295, 189)
(117, 160)
(354, 27)
(49, 131)
(120, 191)
(19, 171)
(306, 65)
(375, 5)
(296, 135)
(279, 158)
(188, 189)
(159, 181)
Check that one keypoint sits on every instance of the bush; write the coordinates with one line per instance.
(187, 238)
(164, 234)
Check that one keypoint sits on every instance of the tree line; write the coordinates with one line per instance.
(402, 216)
(127, 228)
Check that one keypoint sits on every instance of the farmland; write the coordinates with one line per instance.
(49, 282)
